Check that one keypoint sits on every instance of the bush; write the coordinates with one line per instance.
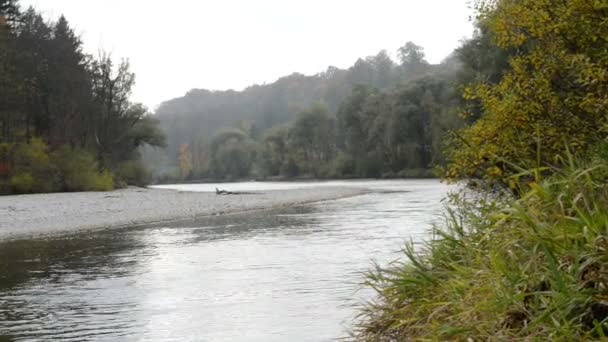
(78, 171)
(103, 181)
(22, 183)
(342, 166)
(5, 167)
(290, 168)
(132, 172)
(507, 268)
(554, 91)
(33, 170)
(370, 166)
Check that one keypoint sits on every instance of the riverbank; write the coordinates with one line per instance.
(414, 174)
(531, 266)
(26, 216)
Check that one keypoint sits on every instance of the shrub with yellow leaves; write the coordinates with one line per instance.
(554, 95)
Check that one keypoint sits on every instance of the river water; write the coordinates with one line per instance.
(283, 275)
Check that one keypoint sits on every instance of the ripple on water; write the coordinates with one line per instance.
(290, 274)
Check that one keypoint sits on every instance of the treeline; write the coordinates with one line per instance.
(379, 118)
(66, 122)
(522, 254)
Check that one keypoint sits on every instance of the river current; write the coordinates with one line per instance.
(289, 274)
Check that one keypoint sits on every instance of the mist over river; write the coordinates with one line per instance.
(288, 274)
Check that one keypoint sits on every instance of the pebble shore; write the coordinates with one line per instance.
(26, 216)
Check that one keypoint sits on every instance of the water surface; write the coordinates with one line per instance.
(283, 275)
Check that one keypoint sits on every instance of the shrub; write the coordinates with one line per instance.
(78, 171)
(554, 91)
(342, 166)
(22, 183)
(5, 167)
(103, 181)
(504, 268)
(370, 165)
(5, 158)
(33, 169)
(132, 172)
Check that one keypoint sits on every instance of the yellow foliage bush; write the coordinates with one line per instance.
(555, 93)
(78, 171)
(22, 183)
(33, 170)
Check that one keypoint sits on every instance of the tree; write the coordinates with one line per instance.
(185, 161)
(355, 123)
(312, 140)
(232, 154)
(70, 102)
(274, 152)
(553, 94)
(33, 46)
(383, 67)
(480, 61)
(9, 11)
(411, 57)
(10, 80)
(350, 124)
(362, 72)
(120, 127)
(59, 108)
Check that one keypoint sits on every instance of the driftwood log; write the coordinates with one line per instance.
(226, 192)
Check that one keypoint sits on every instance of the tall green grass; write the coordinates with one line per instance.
(526, 267)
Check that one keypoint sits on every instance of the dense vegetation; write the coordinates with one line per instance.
(377, 118)
(524, 256)
(66, 122)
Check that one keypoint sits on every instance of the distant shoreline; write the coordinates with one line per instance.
(284, 180)
(40, 215)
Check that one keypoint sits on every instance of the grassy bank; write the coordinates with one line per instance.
(530, 262)
(533, 267)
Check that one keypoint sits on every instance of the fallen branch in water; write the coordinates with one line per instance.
(225, 192)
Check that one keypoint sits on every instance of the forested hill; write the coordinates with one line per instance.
(193, 121)
(278, 102)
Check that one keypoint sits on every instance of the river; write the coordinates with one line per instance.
(282, 275)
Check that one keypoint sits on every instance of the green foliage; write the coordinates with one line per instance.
(311, 140)
(33, 170)
(403, 129)
(121, 127)
(232, 154)
(527, 268)
(53, 95)
(553, 93)
(528, 263)
(342, 166)
(375, 133)
(78, 171)
(257, 109)
(23, 183)
(132, 172)
(412, 60)
(185, 161)
(104, 181)
(273, 153)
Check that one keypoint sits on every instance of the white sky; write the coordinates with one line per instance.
(178, 45)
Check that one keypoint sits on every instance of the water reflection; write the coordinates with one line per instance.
(287, 274)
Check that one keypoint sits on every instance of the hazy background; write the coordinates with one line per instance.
(230, 44)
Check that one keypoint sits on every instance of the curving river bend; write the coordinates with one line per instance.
(282, 275)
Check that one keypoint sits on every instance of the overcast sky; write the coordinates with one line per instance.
(178, 45)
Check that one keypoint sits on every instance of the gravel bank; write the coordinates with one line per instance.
(42, 214)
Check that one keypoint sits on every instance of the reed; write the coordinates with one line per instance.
(527, 267)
